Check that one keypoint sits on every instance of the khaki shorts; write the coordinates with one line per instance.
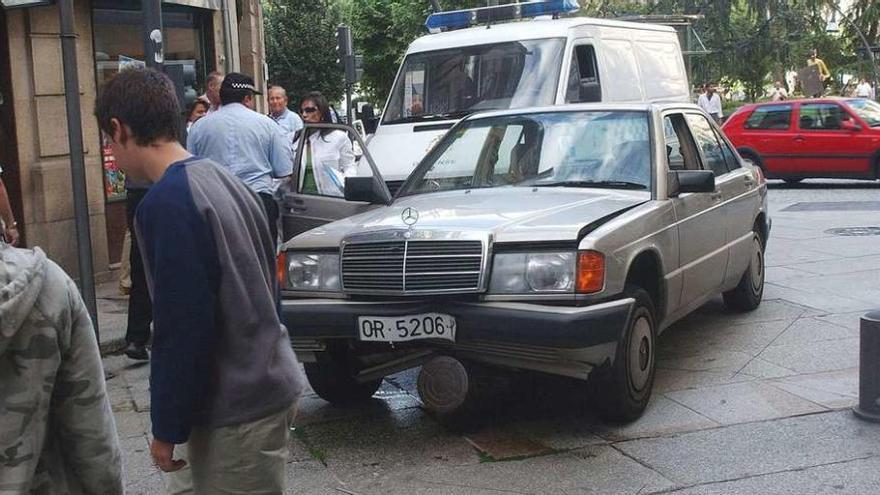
(239, 459)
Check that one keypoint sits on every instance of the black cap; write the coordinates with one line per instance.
(235, 82)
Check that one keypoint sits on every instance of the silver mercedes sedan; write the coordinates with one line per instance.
(561, 240)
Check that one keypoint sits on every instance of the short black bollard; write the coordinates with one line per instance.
(869, 369)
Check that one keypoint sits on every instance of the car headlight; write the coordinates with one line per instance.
(548, 273)
(524, 273)
(310, 272)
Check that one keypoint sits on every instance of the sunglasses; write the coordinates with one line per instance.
(309, 110)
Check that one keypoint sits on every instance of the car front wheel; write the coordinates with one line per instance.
(748, 293)
(332, 377)
(622, 391)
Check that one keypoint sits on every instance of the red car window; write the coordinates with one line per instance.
(770, 117)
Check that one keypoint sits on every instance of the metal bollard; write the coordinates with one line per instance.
(869, 369)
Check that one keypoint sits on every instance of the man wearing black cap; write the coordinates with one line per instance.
(252, 146)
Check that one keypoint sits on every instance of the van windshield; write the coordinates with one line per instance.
(450, 84)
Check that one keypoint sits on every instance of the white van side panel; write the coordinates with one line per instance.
(663, 70)
(619, 59)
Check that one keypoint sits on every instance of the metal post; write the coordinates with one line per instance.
(77, 163)
(154, 51)
(348, 109)
(869, 369)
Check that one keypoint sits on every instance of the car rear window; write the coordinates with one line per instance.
(773, 117)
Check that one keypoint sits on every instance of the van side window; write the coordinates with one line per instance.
(583, 76)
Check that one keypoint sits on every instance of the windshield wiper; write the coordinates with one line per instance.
(432, 117)
(615, 184)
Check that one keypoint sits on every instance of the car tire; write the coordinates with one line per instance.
(747, 295)
(332, 378)
(622, 391)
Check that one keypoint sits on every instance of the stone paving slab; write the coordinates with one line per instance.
(834, 389)
(757, 448)
(841, 478)
(743, 402)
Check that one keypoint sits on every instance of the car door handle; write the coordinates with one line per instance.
(799, 138)
(748, 181)
(716, 196)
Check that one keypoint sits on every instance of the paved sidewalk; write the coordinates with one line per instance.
(744, 403)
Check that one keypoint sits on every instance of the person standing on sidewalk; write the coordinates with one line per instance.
(710, 101)
(250, 145)
(140, 308)
(57, 432)
(278, 111)
(212, 91)
(223, 378)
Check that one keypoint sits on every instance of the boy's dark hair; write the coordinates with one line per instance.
(143, 99)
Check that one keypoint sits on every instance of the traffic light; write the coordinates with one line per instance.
(344, 45)
(345, 57)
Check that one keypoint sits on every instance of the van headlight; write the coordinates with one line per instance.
(310, 272)
(548, 273)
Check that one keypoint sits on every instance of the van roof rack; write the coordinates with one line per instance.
(459, 19)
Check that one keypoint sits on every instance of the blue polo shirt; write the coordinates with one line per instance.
(250, 145)
(288, 121)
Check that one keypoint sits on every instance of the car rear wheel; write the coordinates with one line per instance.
(748, 293)
(332, 377)
(623, 390)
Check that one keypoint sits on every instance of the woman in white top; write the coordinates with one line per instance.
(327, 154)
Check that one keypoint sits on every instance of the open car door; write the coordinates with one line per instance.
(312, 196)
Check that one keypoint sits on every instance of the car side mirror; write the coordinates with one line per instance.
(362, 189)
(849, 125)
(690, 181)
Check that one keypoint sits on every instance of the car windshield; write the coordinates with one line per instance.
(449, 84)
(605, 149)
(867, 110)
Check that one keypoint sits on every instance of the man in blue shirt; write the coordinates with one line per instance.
(278, 111)
(251, 146)
(223, 377)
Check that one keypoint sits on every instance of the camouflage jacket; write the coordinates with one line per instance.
(57, 433)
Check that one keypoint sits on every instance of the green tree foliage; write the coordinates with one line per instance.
(301, 46)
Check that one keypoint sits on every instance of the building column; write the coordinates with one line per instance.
(38, 92)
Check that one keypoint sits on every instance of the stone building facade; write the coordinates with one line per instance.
(200, 35)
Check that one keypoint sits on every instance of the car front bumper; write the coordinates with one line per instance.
(516, 334)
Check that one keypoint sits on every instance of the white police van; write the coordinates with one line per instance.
(474, 63)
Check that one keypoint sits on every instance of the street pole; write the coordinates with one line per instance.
(348, 110)
(77, 162)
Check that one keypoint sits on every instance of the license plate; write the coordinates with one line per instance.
(406, 328)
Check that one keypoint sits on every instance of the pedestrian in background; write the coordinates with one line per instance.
(140, 308)
(710, 101)
(212, 90)
(250, 145)
(778, 93)
(328, 153)
(223, 378)
(278, 111)
(197, 110)
(865, 90)
(57, 432)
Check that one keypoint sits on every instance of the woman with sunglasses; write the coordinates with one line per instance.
(328, 156)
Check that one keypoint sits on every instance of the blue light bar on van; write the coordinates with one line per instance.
(456, 19)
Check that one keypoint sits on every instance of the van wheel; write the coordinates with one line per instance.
(622, 391)
(332, 378)
(747, 295)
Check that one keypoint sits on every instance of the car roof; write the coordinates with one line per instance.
(826, 99)
(538, 28)
(583, 107)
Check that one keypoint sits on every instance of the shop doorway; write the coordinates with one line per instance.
(8, 141)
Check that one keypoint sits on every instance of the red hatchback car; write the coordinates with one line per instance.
(798, 139)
